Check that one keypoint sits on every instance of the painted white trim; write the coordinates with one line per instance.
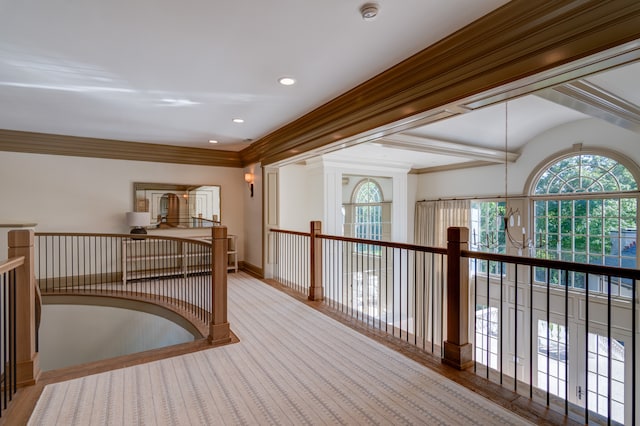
(333, 172)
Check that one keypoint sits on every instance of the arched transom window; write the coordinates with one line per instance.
(585, 210)
(585, 173)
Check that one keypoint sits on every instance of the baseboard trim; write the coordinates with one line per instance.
(256, 271)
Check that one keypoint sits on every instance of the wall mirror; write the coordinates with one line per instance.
(178, 206)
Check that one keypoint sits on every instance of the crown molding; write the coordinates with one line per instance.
(44, 143)
(521, 43)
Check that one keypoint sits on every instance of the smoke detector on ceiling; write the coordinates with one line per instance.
(369, 11)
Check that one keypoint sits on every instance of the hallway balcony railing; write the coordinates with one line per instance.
(176, 273)
(8, 330)
(19, 317)
(290, 250)
(185, 275)
(571, 349)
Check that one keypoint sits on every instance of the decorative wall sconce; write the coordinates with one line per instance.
(248, 177)
(138, 221)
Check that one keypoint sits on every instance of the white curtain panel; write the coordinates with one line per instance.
(432, 220)
(434, 217)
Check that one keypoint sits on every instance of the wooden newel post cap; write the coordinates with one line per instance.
(219, 232)
(21, 238)
(458, 235)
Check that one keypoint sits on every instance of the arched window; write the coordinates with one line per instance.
(367, 199)
(585, 210)
(585, 173)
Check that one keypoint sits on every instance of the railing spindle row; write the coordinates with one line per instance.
(566, 338)
(172, 271)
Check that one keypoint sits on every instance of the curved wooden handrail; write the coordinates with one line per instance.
(176, 307)
(95, 278)
(136, 236)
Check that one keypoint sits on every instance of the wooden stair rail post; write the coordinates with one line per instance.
(28, 367)
(316, 291)
(219, 331)
(458, 352)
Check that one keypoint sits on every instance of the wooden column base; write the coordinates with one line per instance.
(458, 356)
(28, 372)
(219, 333)
(316, 293)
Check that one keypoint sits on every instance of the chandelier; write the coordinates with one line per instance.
(515, 232)
(511, 219)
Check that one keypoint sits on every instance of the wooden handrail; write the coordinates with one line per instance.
(589, 268)
(11, 264)
(136, 236)
(389, 244)
(205, 219)
(284, 231)
(212, 246)
(520, 260)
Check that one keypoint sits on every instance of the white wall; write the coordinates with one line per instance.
(299, 192)
(315, 192)
(489, 181)
(75, 194)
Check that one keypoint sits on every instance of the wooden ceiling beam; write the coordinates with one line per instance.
(517, 42)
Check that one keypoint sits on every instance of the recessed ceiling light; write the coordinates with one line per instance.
(238, 120)
(287, 81)
(213, 141)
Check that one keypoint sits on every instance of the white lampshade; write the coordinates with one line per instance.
(138, 219)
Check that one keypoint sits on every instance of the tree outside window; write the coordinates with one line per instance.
(487, 233)
(585, 210)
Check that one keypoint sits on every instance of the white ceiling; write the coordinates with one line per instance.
(178, 72)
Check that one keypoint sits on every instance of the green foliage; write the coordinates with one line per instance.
(489, 231)
(585, 173)
(585, 229)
